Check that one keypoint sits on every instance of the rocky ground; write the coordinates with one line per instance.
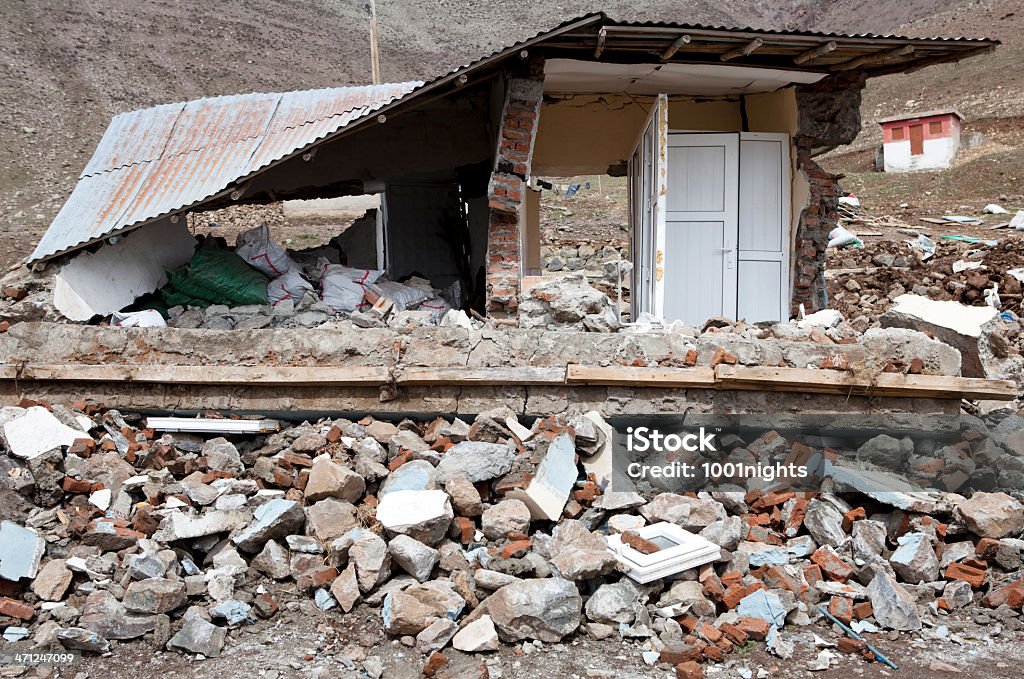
(449, 549)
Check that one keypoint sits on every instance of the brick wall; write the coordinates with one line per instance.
(516, 136)
(828, 116)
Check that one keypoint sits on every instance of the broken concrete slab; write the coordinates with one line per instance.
(956, 324)
(199, 636)
(477, 637)
(476, 461)
(545, 609)
(552, 483)
(21, 550)
(37, 431)
(992, 515)
(892, 605)
(272, 520)
(181, 526)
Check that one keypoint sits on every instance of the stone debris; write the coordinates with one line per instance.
(504, 542)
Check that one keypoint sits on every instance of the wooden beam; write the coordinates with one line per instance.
(676, 45)
(213, 374)
(815, 52)
(945, 59)
(848, 383)
(622, 375)
(871, 59)
(499, 376)
(602, 35)
(743, 50)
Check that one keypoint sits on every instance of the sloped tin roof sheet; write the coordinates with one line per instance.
(153, 162)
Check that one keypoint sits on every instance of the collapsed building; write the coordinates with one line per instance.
(716, 130)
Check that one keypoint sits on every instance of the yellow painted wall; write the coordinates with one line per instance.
(773, 111)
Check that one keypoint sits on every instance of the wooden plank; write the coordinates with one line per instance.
(932, 220)
(498, 376)
(219, 374)
(872, 59)
(622, 375)
(841, 382)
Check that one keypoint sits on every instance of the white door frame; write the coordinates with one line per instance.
(647, 210)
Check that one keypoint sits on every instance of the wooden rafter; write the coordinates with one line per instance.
(676, 45)
(602, 36)
(743, 50)
(815, 52)
(876, 58)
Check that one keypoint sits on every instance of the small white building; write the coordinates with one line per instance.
(923, 141)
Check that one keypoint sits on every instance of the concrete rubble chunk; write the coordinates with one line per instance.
(272, 561)
(369, 553)
(330, 518)
(405, 614)
(613, 603)
(154, 596)
(893, 606)
(552, 482)
(21, 550)
(436, 635)
(53, 580)
(181, 526)
(476, 461)
(961, 327)
(345, 588)
(914, 560)
(504, 518)
(78, 639)
(992, 515)
(199, 636)
(272, 520)
(692, 514)
(579, 554)
(330, 479)
(825, 523)
(478, 636)
(544, 609)
(222, 455)
(421, 514)
(37, 431)
(465, 497)
(413, 475)
(413, 557)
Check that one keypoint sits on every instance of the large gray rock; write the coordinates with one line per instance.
(579, 554)
(868, 539)
(272, 561)
(222, 455)
(992, 515)
(424, 515)
(413, 557)
(199, 636)
(508, 516)
(726, 533)
(372, 560)
(893, 606)
(693, 514)
(887, 451)
(79, 639)
(272, 520)
(914, 560)
(413, 475)
(329, 518)
(53, 580)
(544, 609)
(475, 460)
(154, 596)
(825, 523)
(330, 479)
(613, 603)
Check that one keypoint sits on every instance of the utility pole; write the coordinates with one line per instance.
(371, 7)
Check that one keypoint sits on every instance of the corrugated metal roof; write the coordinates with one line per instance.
(156, 161)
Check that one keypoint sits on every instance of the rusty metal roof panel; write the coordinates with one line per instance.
(156, 161)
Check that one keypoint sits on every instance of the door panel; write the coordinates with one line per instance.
(764, 226)
(916, 139)
(701, 227)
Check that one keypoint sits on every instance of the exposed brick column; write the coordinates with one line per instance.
(828, 114)
(516, 137)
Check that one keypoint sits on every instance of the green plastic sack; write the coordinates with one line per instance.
(215, 276)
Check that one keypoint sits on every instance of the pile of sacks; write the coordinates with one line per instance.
(308, 290)
(461, 538)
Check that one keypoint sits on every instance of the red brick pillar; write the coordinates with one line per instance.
(516, 138)
(816, 221)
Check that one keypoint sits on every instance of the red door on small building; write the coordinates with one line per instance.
(916, 139)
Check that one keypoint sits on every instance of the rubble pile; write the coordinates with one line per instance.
(863, 282)
(607, 265)
(461, 539)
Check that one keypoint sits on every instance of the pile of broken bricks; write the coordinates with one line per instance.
(463, 538)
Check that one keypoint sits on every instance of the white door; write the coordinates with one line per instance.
(647, 170)
(701, 229)
(764, 280)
